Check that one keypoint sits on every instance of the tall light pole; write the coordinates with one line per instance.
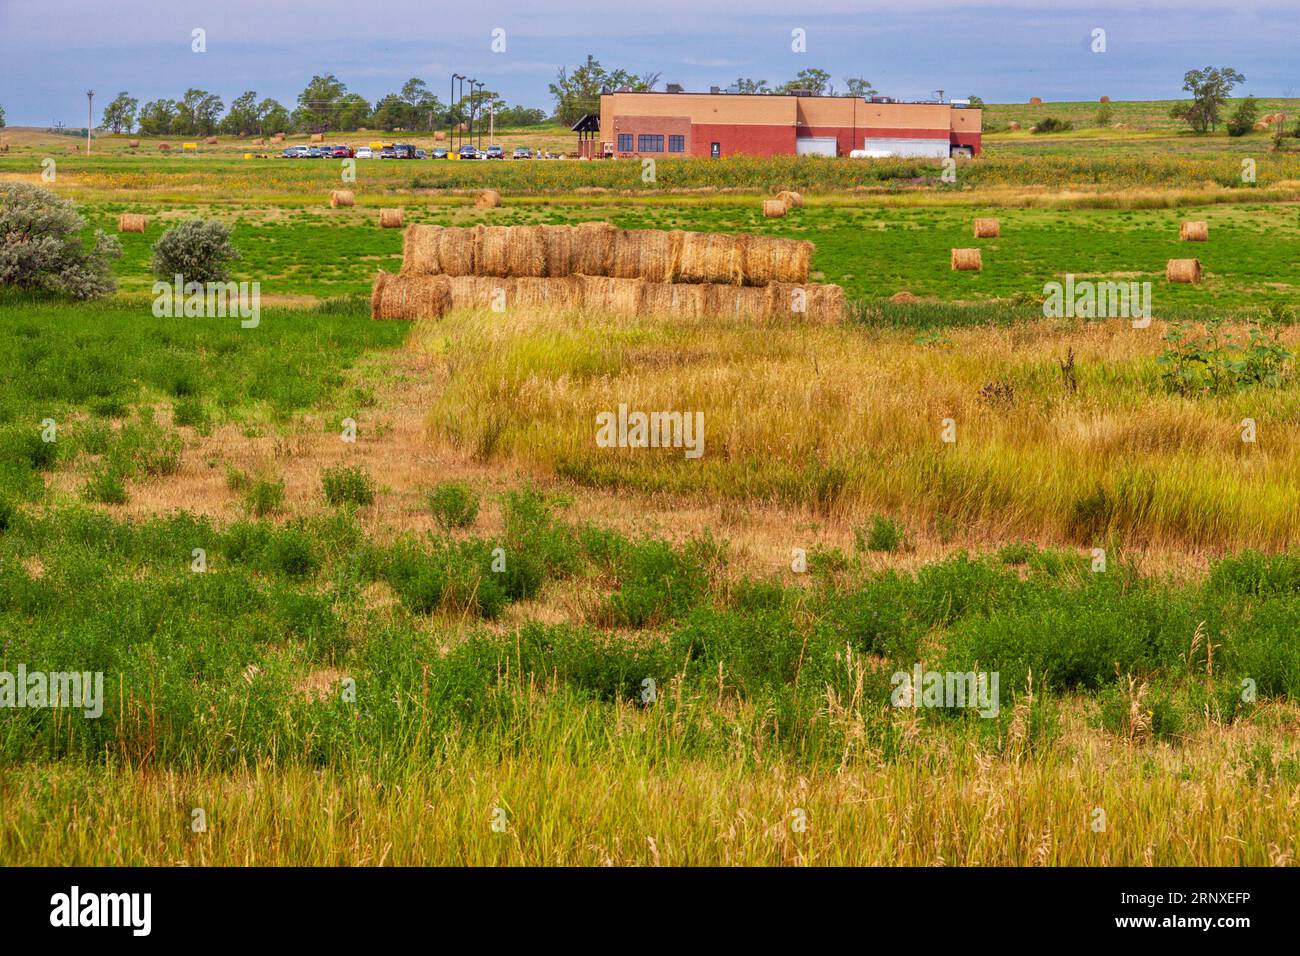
(473, 106)
(90, 116)
(452, 110)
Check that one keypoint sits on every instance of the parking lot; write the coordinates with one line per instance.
(408, 151)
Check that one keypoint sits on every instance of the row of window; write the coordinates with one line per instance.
(651, 143)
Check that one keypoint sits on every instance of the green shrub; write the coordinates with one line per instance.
(1017, 553)
(885, 535)
(109, 406)
(347, 484)
(7, 513)
(105, 486)
(263, 496)
(197, 250)
(1050, 124)
(454, 505)
(190, 411)
(41, 247)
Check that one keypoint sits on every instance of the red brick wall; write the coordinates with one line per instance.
(650, 125)
(974, 140)
(736, 140)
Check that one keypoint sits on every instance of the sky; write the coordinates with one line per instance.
(52, 51)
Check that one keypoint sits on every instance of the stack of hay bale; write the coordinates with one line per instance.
(599, 267)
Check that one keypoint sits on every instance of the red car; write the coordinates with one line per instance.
(341, 152)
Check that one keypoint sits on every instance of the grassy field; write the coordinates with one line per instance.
(368, 593)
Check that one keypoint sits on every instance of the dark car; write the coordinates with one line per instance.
(404, 151)
(439, 153)
(523, 152)
(468, 152)
(294, 152)
(315, 152)
(496, 152)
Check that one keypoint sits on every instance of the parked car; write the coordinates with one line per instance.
(388, 152)
(439, 153)
(468, 152)
(316, 152)
(495, 152)
(294, 152)
(419, 154)
(341, 152)
(404, 151)
(523, 152)
(365, 152)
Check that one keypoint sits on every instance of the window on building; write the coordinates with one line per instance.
(650, 143)
(676, 144)
(625, 142)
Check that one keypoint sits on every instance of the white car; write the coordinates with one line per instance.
(365, 152)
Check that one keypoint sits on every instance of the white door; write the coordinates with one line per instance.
(816, 146)
(935, 148)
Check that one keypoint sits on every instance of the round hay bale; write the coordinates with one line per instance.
(1184, 270)
(409, 297)
(4, 147)
(211, 141)
(72, 149)
(1035, 101)
(987, 228)
(318, 137)
(342, 197)
(1194, 231)
(446, 250)
(904, 297)
(773, 209)
(1261, 127)
(390, 218)
(790, 198)
(513, 251)
(131, 222)
(593, 249)
(967, 260)
(258, 142)
(164, 147)
(134, 144)
(1104, 99)
(487, 199)
(439, 136)
(1013, 125)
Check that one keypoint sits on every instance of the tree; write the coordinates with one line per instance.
(1243, 120)
(317, 103)
(976, 101)
(816, 82)
(41, 248)
(198, 113)
(352, 111)
(519, 116)
(157, 117)
(745, 85)
(578, 93)
(390, 112)
(1210, 88)
(119, 115)
(860, 87)
(424, 111)
(2, 117)
(1105, 115)
(272, 117)
(242, 118)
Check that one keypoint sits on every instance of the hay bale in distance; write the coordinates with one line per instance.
(342, 197)
(1261, 127)
(131, 222)
(258, 142)
(967, 260)
(72, 148)
(318, 137)
(210, 141)
(1183, 270)
(1104, 99)
(903, 297)
(134, 144)
(4, 147)
(1013, 125)
(1035, 101)
(773, 209)
(390, 218)
(790, 198)
(164, 147)
(987, 228)
(487, 199)
(1194, 230)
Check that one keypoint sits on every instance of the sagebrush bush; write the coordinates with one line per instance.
(453, 505)
(347, 484)
(197, 250)
(41, 247)
(263, 496)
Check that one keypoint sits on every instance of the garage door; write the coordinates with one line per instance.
(816, 146)
(934, 148)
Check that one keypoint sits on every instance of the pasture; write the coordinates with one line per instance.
(459, 610)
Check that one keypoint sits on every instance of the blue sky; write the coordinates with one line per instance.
(51, 51)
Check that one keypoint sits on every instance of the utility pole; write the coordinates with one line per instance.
(452, 112)
(492, 121)
(90, 116)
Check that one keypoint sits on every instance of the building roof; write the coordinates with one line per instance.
(590, 123)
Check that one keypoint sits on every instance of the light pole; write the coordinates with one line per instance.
(90, 114)
(473, 106)
(452, 110)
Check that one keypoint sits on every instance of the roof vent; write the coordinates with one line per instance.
(674, 88)
(715, 89)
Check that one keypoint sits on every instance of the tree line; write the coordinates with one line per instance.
(325, 104)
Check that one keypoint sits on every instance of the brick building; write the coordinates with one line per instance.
(730, 124)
